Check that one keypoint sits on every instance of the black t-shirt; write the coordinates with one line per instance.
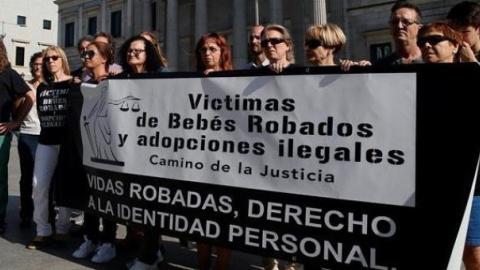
(71, 183)
(12, 86)
(52, 104)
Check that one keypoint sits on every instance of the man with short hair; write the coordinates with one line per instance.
(404, 25)
(255, 49)
(465, 18)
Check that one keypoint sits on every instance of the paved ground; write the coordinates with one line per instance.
(14, 255)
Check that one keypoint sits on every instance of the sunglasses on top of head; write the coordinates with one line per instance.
(53, 57)
(313, 43)
(273, 41)
(432, 40)
(88, 54)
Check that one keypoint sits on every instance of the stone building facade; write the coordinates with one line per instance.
(27, 27)
(179, 23)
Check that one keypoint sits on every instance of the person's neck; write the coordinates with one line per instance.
(408, 51)
(138, 69)
(327, 61)
(476, 47)
(35, 81)
(284, 62)
(258, 59)
(99, 73)
(60, 76)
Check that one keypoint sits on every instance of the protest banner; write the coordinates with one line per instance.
(344, 170)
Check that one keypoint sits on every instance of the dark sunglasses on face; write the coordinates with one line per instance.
(273, 41)
(88, 54)
(53, 57)
(432, 40)
(313, 43)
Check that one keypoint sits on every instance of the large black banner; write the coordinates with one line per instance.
(370, 169)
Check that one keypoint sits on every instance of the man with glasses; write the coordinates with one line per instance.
(256, 53)
(404, 25)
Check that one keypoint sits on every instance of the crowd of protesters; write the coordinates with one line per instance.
(44, 143)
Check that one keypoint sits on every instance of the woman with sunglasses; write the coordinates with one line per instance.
(138, 55)
(439, 43)
(323, 42)
(52, 104)
(97, 57)
(278, 47)
(212, 53)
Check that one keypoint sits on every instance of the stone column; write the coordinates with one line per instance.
(103, 11)
(172, 34)
(319, 12)
(239, 34)
(129, 30)
(147, 15)
(200, 18)
(80, 23)
(276, 11)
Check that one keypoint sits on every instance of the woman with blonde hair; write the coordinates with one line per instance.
(52, 97)
(277, 46)
(322, 44)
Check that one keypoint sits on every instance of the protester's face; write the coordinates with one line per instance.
(211, 54)
(436, 48)
(37, 68)
(317, 53)
(136, 55)
(470, 34)
(53, 65)
(83, 46)
(93, 58)
(254, 40)
(274, 46)
(404, 25)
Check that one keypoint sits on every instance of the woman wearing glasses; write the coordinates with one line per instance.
(278, 47)
(439, 43)
(97, 58)
(52, 107)
(323, 42)
(138, 55)
(212, 53)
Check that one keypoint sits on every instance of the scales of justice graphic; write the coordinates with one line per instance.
(97, 127)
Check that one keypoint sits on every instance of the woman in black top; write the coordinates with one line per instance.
(97, 57)
(52, 107)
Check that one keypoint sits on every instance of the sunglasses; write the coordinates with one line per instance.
(135, 52)
(204, 50)
(313, 43)
(88, 54)
(53, 57)
(432, 40)
(273, 41)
